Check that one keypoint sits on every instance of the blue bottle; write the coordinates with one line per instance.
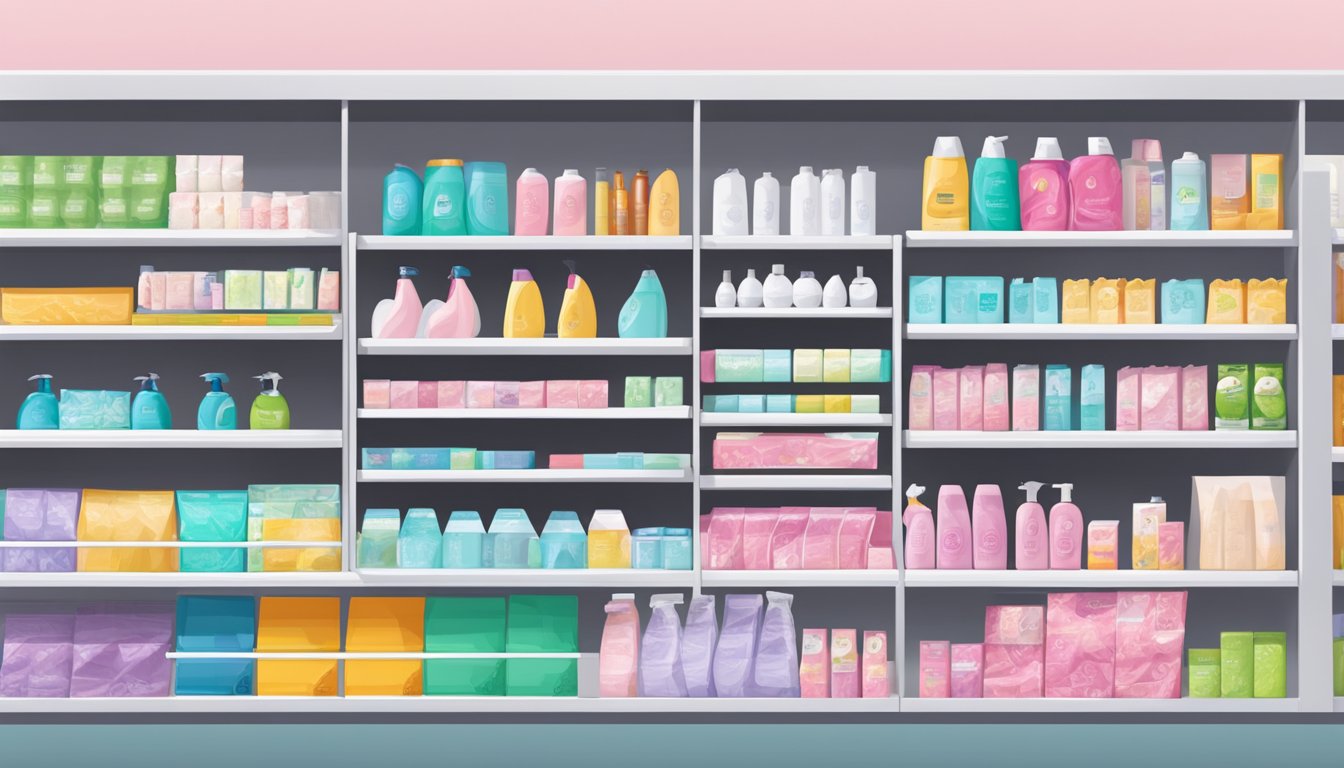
(217, 409)
(149, 410)
(402, 191)
(445, 199)
(563, 542)
(644, 315)
(511, 541)
(463, 540)
(487, 198)
(40, 410)
(419, 544)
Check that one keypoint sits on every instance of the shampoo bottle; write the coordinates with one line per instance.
(730, 203)
(487, 198)
(578, 313)
(749, 291)
(457, 318)
(665, 205)
(863, 202)
(834, 295)
(217, 409)
(620, 206)
(765, 205)
(921, 543)
(601, 202)
(399, 317)
(1032, 551)
(1095, 189)
(833, 202)
(1066, 532)
(806, 291)
(149, 410)
(954, 529)
(989, 529)
(524, 313)
(862, 291)
(1189, 194)
(726, 296)
(445, 199)
(533, 197)
(40, 409)
(994, 196)
(644, 315)
(270, 410)
(778, 290)
(571, 204)
(1137, 189)
(1043, 184)
(805, 203)
(946, 188)
(402, 192)
(639, 204)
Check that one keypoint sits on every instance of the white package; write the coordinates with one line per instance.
(185, 169)
(211, 210)
(208, 174)
(233, 203)
(298, 211)
(231, 173)
(182, 210)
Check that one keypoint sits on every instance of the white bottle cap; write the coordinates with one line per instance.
(529, 170)
(1099, 145)
(1047, 148)
(948, 146)
(727, 275)
(1065, 492)
(751, 274)
(623, 596)
(804, 170)
(861, 169)
(993, 147)
(1137, 149)
(777, 269)
(767, 175)
(1188, 157)
(571, 171)
(860, 273)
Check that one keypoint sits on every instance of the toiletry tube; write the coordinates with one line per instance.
(185, 170)
(1026, 409)
(231, 173)
(946, 398)
(921, 397)
(968, 670)
(935, 669)
(971, 382)
(208, 173)
(182, 210)
(211, 214)
(996, 418)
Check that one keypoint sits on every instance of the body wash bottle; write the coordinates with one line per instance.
(1189, 194)
(665, 205)
(40, 409)
(730, 203)
(457, 318)
(1032, 545)
(149, 410)
(995, 204)
(863, 202)
(571, 204)
(954, 529)
(644, 315)
(270, 410)
(402, 192)
(578, 314)
(920, 538)
(806, 291)
(445, 199)
(947, 188)
(833, 202)
(862, 291)
(778, 290)
(1096, 191)
(805, 203)
(765, 205)
(835, 294)
(217, 409)
(989, 529)
(524, 312)
(1066, 531)
(749, 291)
(726, 296)
(1044, 186)
(1137, 188)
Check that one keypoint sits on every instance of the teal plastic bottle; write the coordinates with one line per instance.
(40, 409)
(217, 410)
(487, 198)
(511, 541)
(644, 315)
(402, 193)
(149, 410)
(995, 205)
(420, 543)
(445, 199)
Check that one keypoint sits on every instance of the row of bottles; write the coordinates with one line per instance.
(804, 293)
(149, 409)
(979, 538)
(816, 204)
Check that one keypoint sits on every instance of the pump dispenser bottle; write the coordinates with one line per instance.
(457, 318)
(1043, 184)
(989, 529)
(270, 410)
(994, 198)
(578, 313)
(217, 409)
(1066, 532)
(1032, 545)
(749, 291)
(399, 317)
(149, 410)
(765, 206)
(862, 291)
(954, 529)
(921, 541)
(778, 289)
(726, 296)
(40, 409)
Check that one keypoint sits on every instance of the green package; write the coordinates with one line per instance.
(44, 206)
(542, 624)
(242, 289)
(286, 502)
(464, 625)
(1270, 665)
(865, 365)
(1269, 403)
(376, 542)
(1238, 664)
(212, 516)
(114, 192)
(79, 197)
(667, 391)
(16, 180)
(638, 392)
(1339, 666)
(1230, 399)
(739, 365)
(1206, 674)
(864, 403)
(275, 289)
(151, 181)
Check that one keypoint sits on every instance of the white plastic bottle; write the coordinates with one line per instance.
(863, 202)
(805, 203)
(862, 291)
(833, 202)
(726, 295)
(778, 291)
(765, 206)
(806, 291)
(749, 291)
(730, 204)
(835, 294)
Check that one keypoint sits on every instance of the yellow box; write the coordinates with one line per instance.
(1108, 301)
(67, 306)
(837, 403)
(301, 529)
(1140, 301)
(1267, 301)
(127, 516)
(835, 366)
(1075, 304)
(1103, 543)
(298, 624)
(807, 366)
(1144, 550)
(1227, 302)
(386, 624)
(1266, 192)
(809, 404)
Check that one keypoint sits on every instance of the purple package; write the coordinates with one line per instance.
(735, 654)
(40, 514)
(119, 651)
(37, 655)
(506, 394)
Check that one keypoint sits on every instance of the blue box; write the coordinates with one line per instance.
(779, 403)
(1183, 302)
(751, 403)
(1045, 300)
(215, 623)
(1058, 397)
(1020, 308)
(1092, 399)
(506, 459)
(925, 299)
(778, 364)
(961, 300)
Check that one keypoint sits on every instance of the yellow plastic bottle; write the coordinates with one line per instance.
(1266, 192)
(578, 313)
(602, 202)
(947, 188)
(665, 205)
(524, 314)
(608, 540)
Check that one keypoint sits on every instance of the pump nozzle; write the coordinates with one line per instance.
(913, 493)
(270, 381)
(1065, 491)
(993, 147)
(1032, 488)
(672, 598)
(860, 271)
(407, 272)
(43, 382)
(459, 272)
(217, 380)
(147, 382)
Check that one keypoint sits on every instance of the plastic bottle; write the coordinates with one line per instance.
(665, 205)
(578, 313)
(1032, 540)
(947, 188)
(921, 540)
(1137, 206)
(463, 540)
(524, 312)
(730, 203)
(765, 205)
(511, 541)
(989, 527)
(419, 544)
(639, 203)
(774, 672)
(697, 646)
(270, 409)
(533, 198)
(399, 317)
(806, 291)
(601, 202)
(618, 659)
(1157, 181)
(862, 291)
(1096, 190)
(217, 409)
(445, 199)
(778, 290)
(726, 295)
(833, 202)
(644, 314)
(40, 409)
(1066, 531)
(457, 318)
(564, 544)
(571, 204)
(608, 540)
(995, 203)
(750, 291)
(863, 202)
(149, 410)
(805, 203)
(660, 672)
(954, 529)
(620, 207)
(487, 198)
(1189, 194)
(1043, 184)
(402, 192)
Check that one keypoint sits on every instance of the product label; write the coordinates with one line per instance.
(873, 645)
(113, 179)
(945, 198)
(43, 178)
(567, 213)
(443, 206)
(835, 207)
(398, 203)
(863, 211)
(989, 302)
(10, 178)
(1266, 191)
(812, 644)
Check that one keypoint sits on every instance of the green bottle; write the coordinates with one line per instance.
(270, 410)
(995, 204)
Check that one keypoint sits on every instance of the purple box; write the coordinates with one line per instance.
(38, 653)
(119, 650)
(40, 514)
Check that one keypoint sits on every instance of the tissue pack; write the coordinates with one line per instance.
(756, 450)
(127, 516)
(118, 651)
(1149, 636)
(1014, 651)
(37, 514)
(38, 655)
(1080, 637)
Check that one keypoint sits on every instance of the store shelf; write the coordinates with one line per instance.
(177, 238)
(604, 414)
(1097, 706)
(794, 313)
(170, 438)
(1337, 331)
(795, 482)
(1118, 579)
(1337, 236)
(1107, 439)
(517, 243)
(525, 476)
(182, 580)
(1284, 238)
(795, 419)
(831, 578)
(331, 332)
(796, 242)
(1061, 332)
(1337, 455)
(532, 578)
(603, 346)
(1338, 577)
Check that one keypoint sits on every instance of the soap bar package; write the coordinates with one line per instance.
(119, 651)
(845, 682)
(1076, 302)
(638, 392)
(593, 393)
(739, 365)
(1237, 651)
(1080, 637)
(807, 366)
(1160, 398)
(835, 366)
(1014, 651)
(1026, 398)
(542, 624)
(946, 398)
(866, 366)
(1108, 301)
(1195, 398)
(921, 397)
(1227, 302)
(1232, 405)
(1058, 398)
(968, 670)
(776, 365)
(970, 409)
(295, 625)
(37, 514)
(1140, 301)
(1183, 302)
(1267, 301)
(1127, 399)
(1171, 546)
(212, 516)
(961, 299)
(210, 623)
(667, 391)
(388, 625)
(464, 625)
(1206, 673)
(1092, 399)
(1270, 667)
(1044, 300)
(1149, 636)
(935, 669)
(1103, 545)
(1020, 301)
(37, 656)
(67, 306)
(1269, 408)
(996, 409)
(926, 300)
(876, 681)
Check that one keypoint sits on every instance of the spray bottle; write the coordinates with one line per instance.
(217, 410)
(270, 410)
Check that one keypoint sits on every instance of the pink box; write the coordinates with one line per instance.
(778, 450)
(856, 532)
(786, 543)
(946, 398)
(1127, 399)
(405, 394)
(1171, 546)
(814, 671)
(566, 461)
(593, 393)
(996, 398)
(1195, 397)
(1080, 645)
(968, 670)
(506, 394)
(921, 397)
(935, 669)
(844, 664)
(1149, 636)
(725, 539)
(562, 393)
(328, 287)
(971, 406)
(1160, 398)
(876, 681)
(1026, 398)
(531, 394)
(821, 543)
(180, 285)
(1014, 651)
(707, 366)
(377, 393)
(427, 394)
(758, 526)
(452, 394)
(881, 554)
(480, 394)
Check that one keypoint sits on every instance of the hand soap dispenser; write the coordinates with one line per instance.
(40, 409)
(457, 318)
(149, 410)
(644, 315)
(989, 528)
(921, 542)
(1032, 548)
(524, 312)
(399, 317)
(1066, 532)
(578, 314)
(270, 410)
(749, 291)
(726, 296)
(994, 197)
(954, 529)
(862, 291)
(778, 290)
(217, 410)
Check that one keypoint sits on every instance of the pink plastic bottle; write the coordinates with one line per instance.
(1066, 532)
(989, 529)
(618, 660)
(1096, 189)
(1043, 185)
(954, 529)
(399, 317)
(571, 204)
(534, 203)
(920, 539)
(459, 317)
(1033, 546)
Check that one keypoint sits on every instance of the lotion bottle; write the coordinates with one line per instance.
(778, 291)
(570, 216)
(726, 296)
(805, 203)
(989, 529)
(533, 193)
(1096, 190)
(954, 529)
(578, 314)
(994, 195)
(806, 291)
(863, 202)
(665, 205)
(862, 291)
(920, 538)
(1032, 550)
(833, 202)
(749, 291)
(835, 295)
(1066, 532)
(730, 203)
(765, 205)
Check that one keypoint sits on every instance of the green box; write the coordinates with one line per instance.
(865, 403)
(1339, 666)
(542, 624)
(1271, 665)
(1238, 665)
(865, 365)
(461, 458)
(1231, 397)
(668, 391)
(807, 366)
(464, 625)
(44, 203)
(1206, 673)
(739, 365)
(638, 392)
(242, 289)
(16, 188)
(1269, 401)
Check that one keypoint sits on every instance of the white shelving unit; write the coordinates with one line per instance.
(1117, 579)
(1166, 239)
(525, 243)
(830, 420)
(153, 238)
(641, 347)
(1108, 439)
(171, 438)
(1027, 332)
(794, 313)
(532, 578)
(795, 482)
(602, 414)
(796, 242)
(333, 332)
(791, 579)
(526, 476)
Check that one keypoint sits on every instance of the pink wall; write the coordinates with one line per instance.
(673, 34)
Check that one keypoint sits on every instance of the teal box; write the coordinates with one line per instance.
(1020, 308)
(1092, 399)
(95, 409)
(751, 403)
(211, 624)
(1183, 302)
(1045, 300)
(778, 365)
(710, 403)
(926, 300)
(668, 391)
(865, 365)
(542, 624)
(666, 461)
(989, 300)
(884, 369)
(506, 459)
(212, 516)
(961, 300)
(613, 461)
(779, 403)
(1058, 398)
(739, 366)
(726, 404)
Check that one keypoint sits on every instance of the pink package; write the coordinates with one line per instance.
(921, 397)
(593, 393)
(531, 394)
(1160, 398)
(935, 669)
(707, 366)
(1127, 399)
(180, 285)
(377, 393)
(968, 670)
(1014, 651)
(405, 394)
(1026, 398)
(757, 450)
(328, 290)
(856, 531)
(1080, 645)
(1171, 546)
(995, 390)
(566, 461)
(971, 406)
(480, 394)
(452, 394)
(506, 394)
(814, 672)
(876, 680)
(881, 554)
(844, 664)
(758, 526)
(200, 291)
(725, 539)
(1149, 636)
(821, 543)
(786, 543)
(946, 397)
(427, 394)
(562, 393)
(1195, 397)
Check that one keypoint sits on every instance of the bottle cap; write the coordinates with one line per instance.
(913, 493)
(861, 169)
(623, 596)
(1047, 148)
(1065, 491)
(522, 275)
(407, 271)
(448, 161)
(767, 175)
(1032, 488)
(806, 275)
(39, 376)
(727, 275)
(571, 172)
(777, 269)
(1189, 157)
(1099, 145)
(1152, 150)
(1156, 500)
(993, 147)
(948, 146)
(459, 272)
(804, 170)
(751, 274)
